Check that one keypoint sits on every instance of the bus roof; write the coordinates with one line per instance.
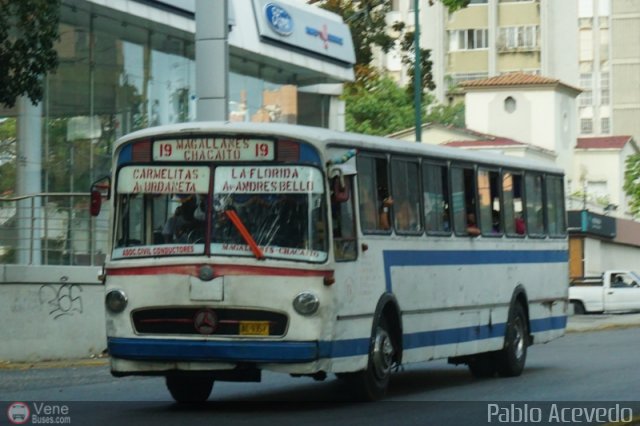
(324, 137)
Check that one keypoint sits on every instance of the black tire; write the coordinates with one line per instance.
(483, 365)
(189, 389)
(578, 307)
(371, 384)
(511, 359)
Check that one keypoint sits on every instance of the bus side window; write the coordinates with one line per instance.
(373, 189)
(512, 193)
(489, 197)
(534, 206)
(435, 184)
(406, 196)
(555, 206)
(463, 201)
(344, 226)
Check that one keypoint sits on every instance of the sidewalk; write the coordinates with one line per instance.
(578, 323)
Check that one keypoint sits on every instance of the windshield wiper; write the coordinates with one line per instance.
(244, 232)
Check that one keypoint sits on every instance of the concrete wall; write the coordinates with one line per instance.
(50, 312)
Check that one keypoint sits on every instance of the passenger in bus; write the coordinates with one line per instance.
(472, 225)
(520, 227)
(174, 226)
(182, 226)
(405, 219)
(372, 217)
(383, 216)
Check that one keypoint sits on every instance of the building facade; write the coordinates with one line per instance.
(493, 37)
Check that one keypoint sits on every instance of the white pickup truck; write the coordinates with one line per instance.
(614, 291)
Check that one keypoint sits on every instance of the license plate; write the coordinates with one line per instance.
(254, 328)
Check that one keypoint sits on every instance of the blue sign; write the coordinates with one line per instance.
(279, 19)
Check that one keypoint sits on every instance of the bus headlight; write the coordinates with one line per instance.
(116, 301)
(306, 303)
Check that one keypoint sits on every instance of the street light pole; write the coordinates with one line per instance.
(417, 69)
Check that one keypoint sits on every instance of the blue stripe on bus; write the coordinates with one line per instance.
(392, 258)
(296, 352)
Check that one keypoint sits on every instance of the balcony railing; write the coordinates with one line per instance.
(51, 229)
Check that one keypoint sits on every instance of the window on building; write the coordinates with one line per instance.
(519, 37)
(605, 125)
(586, 126)
(477, 1)
(509, 104)
(586, 45)
(406, 196)
(471, 39)
(586, 84)
(604, 88)
(460, 77)
(435, 185)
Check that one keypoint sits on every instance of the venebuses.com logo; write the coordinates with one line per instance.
(18, 413)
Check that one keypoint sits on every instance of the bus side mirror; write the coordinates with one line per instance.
(340, 190)
(99, 189)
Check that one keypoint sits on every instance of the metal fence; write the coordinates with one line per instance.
(51, 229)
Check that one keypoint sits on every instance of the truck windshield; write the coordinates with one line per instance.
(170, 211)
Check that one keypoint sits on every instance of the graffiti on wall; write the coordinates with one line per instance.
(61, 300)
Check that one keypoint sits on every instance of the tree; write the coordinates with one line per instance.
(632, 183)
(448, 115)
(28, 30)
(367, 22)
(379, 107)
(7, 155)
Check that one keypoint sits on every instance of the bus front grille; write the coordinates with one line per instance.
(208, 321)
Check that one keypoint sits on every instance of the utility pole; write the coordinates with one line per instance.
(417, 81)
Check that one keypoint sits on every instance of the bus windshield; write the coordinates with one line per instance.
(167, 210)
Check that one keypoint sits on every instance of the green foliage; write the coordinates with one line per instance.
(378, 108)
(448, 115)
(632, 183)
(28, 30)
(7, 153)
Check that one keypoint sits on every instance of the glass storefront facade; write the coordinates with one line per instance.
(119, 73)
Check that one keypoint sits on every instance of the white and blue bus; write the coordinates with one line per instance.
(240, 247)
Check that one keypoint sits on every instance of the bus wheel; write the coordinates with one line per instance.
(511, 359)
(371, 384)
(189, 389)
(483, 365)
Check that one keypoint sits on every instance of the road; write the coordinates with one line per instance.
(585, 370)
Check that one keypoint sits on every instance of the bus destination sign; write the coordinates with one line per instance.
(163, 180)
(213, 148)
(268, 180)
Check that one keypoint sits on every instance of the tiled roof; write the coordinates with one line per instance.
(603, 142)
(514, 79)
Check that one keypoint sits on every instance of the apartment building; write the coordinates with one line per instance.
(493, 37)
(591, 44)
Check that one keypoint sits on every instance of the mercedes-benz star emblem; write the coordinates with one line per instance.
(205, 321)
